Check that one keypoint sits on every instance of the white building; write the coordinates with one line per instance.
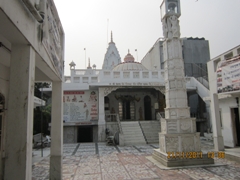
(126, 90)
(224, 80)
(31, 50)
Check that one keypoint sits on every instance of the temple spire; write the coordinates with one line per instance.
(89, 65)
(111, 37)
(89, 62)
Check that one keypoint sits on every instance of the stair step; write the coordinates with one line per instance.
(132, 133)
(151, 130)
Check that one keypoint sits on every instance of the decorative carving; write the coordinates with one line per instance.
(51, 39)
(165, 28)
(172, 126)
(172, 144)
(173, 114)
(108, 90)
(185, 126)
(171, 28)
(188, 144)
(161, 89)
(127, 98)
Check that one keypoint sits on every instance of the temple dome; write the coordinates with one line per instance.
(128, 58)
(129, 66)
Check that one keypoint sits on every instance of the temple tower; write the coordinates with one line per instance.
(178, 139)
(112, 57)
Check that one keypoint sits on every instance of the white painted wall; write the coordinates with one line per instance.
(225, 106)
(226, 102)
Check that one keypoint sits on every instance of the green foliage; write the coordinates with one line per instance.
(37, 90)
(42, 115)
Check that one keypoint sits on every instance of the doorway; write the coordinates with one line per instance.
(147, 108)
(85, 134)
(236, 126)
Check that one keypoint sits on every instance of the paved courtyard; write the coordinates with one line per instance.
(96, 161)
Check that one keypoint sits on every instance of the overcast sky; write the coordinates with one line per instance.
(136, 24)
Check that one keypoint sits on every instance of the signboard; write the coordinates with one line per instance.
(228, 75)
(80, 106)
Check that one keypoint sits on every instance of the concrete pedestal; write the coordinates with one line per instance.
(180, 161)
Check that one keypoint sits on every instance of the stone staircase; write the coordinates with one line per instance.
(150, 130)
(132, 133)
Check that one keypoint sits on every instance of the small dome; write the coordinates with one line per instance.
(129, 66)
(129, 58)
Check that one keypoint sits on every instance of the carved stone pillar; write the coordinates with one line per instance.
(178, 139)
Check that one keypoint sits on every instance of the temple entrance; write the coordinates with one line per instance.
(236, 126)
(133, 104)
(127, 110)
(147, 108)
(85, 134)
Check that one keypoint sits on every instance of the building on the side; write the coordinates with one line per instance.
(224, 81)
(195, 53)
(29, 53)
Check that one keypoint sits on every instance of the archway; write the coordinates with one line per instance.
(127, 108)
(147, 108)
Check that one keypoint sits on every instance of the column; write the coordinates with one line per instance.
(217, 130)
(56, 131)
(19, 123)
(101, 116)
(178, 129)
(209, 116)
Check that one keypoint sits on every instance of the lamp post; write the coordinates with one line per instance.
(136, 54)
(85, 58)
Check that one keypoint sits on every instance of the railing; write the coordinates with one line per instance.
(200, 73)
(111, 117)
(114, 118)
(162, 114)
(98, 76)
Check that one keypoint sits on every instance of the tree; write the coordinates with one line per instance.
(42, 114)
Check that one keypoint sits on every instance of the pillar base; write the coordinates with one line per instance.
(55, 167)
(175, 162)
(218, 143)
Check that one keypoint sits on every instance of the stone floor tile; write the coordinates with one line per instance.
(81, 162)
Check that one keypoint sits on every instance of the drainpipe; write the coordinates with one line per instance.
(38, 14)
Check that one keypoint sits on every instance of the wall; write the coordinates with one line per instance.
(195, 53)
(69, 134)
(152, 59)
(225, 106)
(226, 101)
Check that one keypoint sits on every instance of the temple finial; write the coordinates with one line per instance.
(128, 51)
(89, 62)
(111, 37)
